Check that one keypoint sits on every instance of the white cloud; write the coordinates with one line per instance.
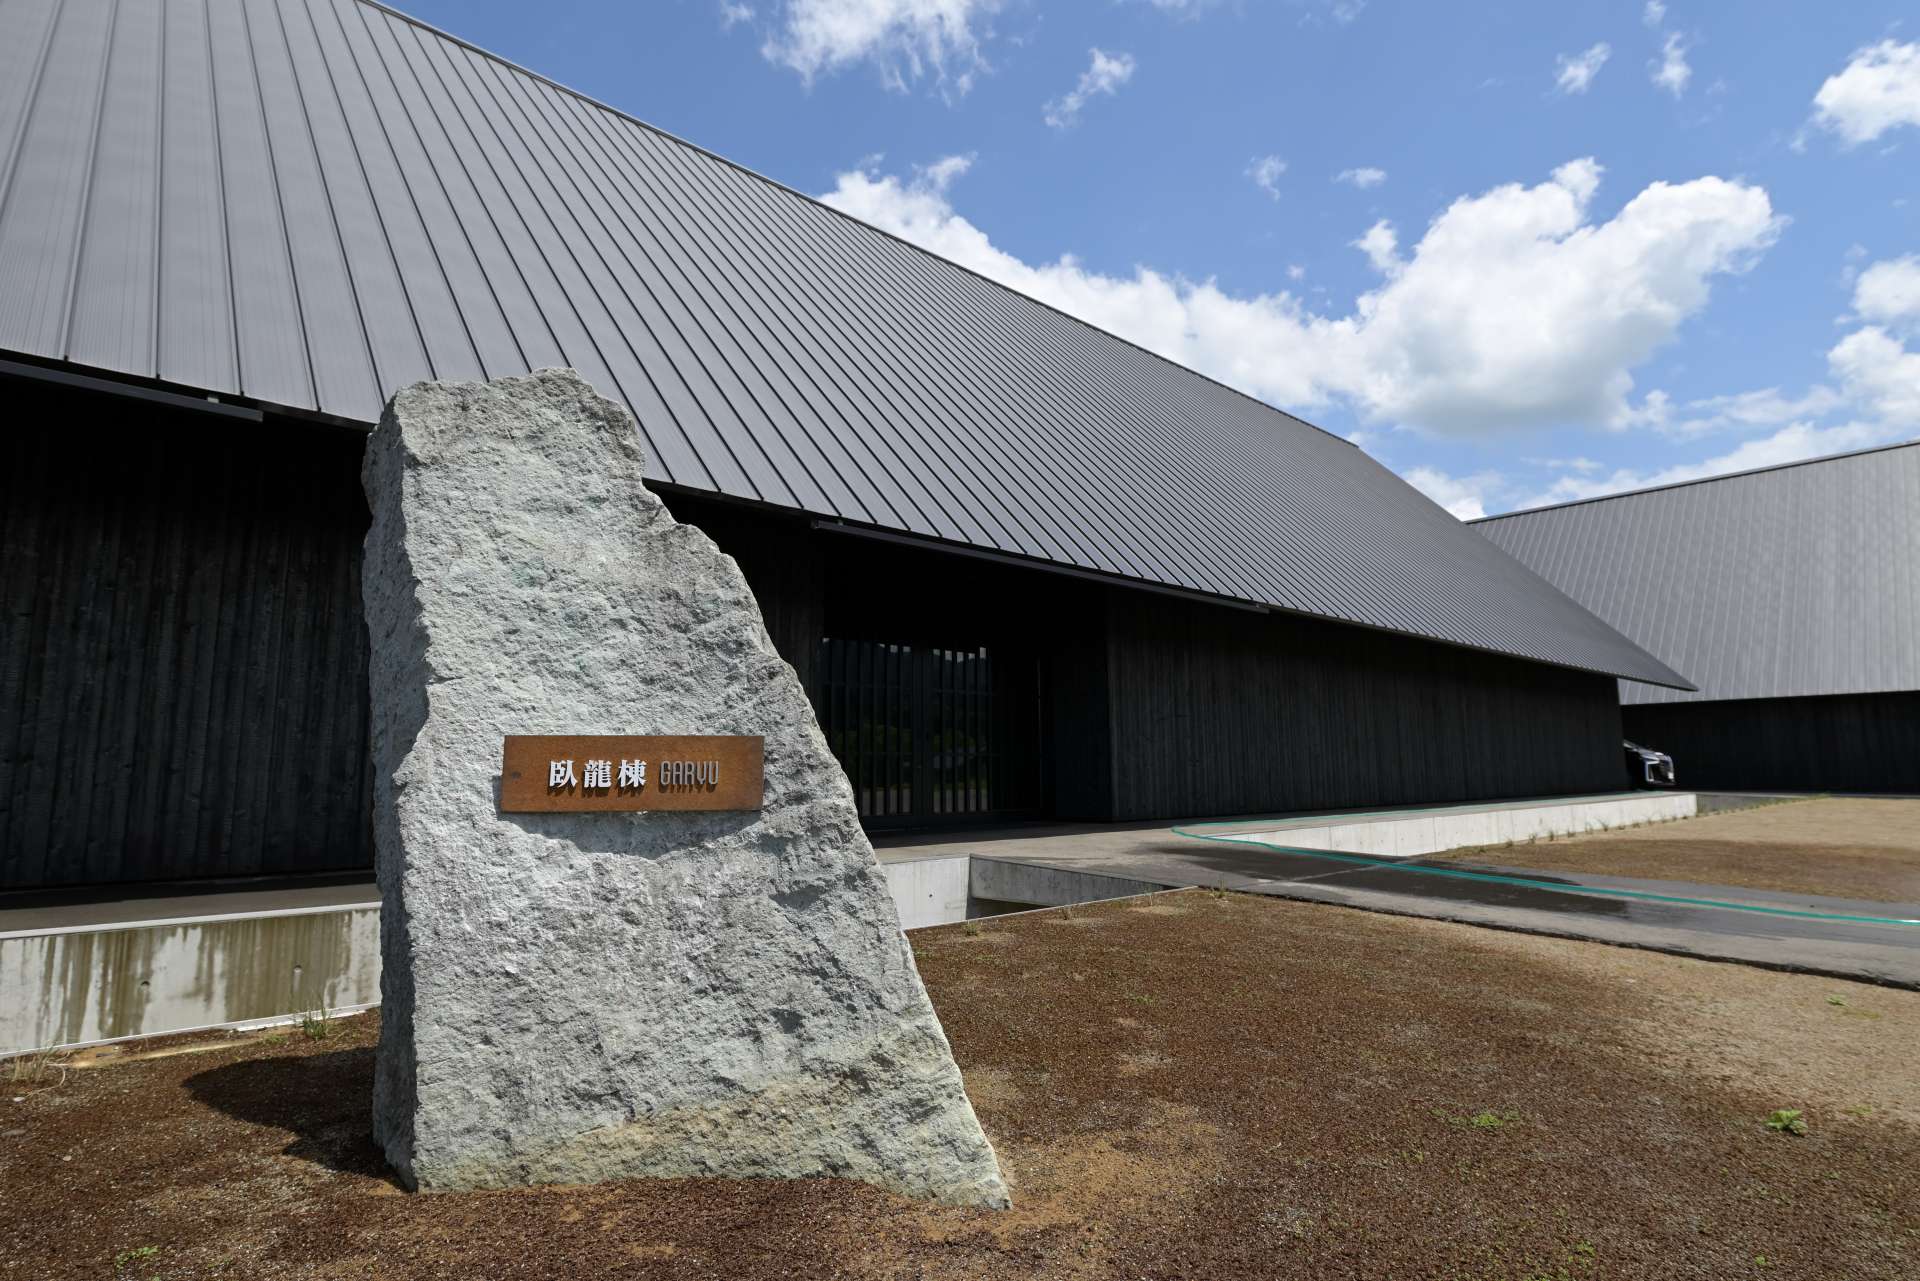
(941, 173)
(1876, 398)
(1581, 465)
(1464, 497)
(1104, 74)
(1767, 407)
(1790, 444)
(1515, 310)
(1382, 248)
(1576, 70)
(1363, 177)
(1888, 293)
(1878, 90)
(1670, 70)
(1265, 172)
(1654, 14)
(904, 39)
(1296, 272)
(1879, 374)
(733, 13)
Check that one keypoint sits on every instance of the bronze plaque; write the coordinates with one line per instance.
(548, 772)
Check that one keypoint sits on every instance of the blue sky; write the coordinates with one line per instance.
(1520, 252)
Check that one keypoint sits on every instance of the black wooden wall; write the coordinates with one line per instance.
(1836, 743)
(182, 660)
(1217, 711)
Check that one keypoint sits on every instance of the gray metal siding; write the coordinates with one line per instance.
(1797, 581)
(312, 203)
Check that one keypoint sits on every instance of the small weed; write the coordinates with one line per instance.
(1492, 1120)
(126, 1258)
(44, 1068)
(1787, 1121)
(1762, 1261)
(1840, 1001)
(1863, 1110)
(971, 929)
(315, 1026)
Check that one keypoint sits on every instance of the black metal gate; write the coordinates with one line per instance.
(930, 735)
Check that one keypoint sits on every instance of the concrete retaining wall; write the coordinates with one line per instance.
(929, 891)
(1005, 881)
(76, 987)
(1430, 831)
(79, 986)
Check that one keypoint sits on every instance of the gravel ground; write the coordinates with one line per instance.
(1840, 846)
(1191, 1085)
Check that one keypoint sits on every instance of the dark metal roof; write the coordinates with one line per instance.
(312, 203)
(1786, 581)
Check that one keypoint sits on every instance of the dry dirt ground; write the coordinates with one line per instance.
(1845, 847)
(1191, 1085)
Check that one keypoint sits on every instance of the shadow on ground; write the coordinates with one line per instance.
(325, 1100)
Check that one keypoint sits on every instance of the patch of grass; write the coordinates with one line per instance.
(1787, 1121)
(1840, 1001)
(127, 1258)
(1483, 1120)
(315, 1025)
(971, 929)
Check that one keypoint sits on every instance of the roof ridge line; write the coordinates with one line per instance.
(751, 172)
(1698, 480)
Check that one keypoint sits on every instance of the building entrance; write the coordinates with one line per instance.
(931, 735)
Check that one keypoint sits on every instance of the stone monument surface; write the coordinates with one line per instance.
(574, 997)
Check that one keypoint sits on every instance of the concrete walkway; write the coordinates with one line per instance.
(1795, 932)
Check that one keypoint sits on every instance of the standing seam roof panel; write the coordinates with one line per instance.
(901, 460)
(918, 444)
(309, 203)
(1795, 581)
(642, 292)
(192, 304)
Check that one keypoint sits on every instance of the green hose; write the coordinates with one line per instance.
(1494, 878)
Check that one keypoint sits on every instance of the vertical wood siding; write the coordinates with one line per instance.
(183, 664)
(182, 660)
(1839, 743)
(1220, 712)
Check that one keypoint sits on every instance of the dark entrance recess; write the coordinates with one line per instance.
(927, 680)
(929, 734)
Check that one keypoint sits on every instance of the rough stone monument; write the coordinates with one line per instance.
(574, 997)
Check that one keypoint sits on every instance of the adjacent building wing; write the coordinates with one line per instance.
(1795, 580)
